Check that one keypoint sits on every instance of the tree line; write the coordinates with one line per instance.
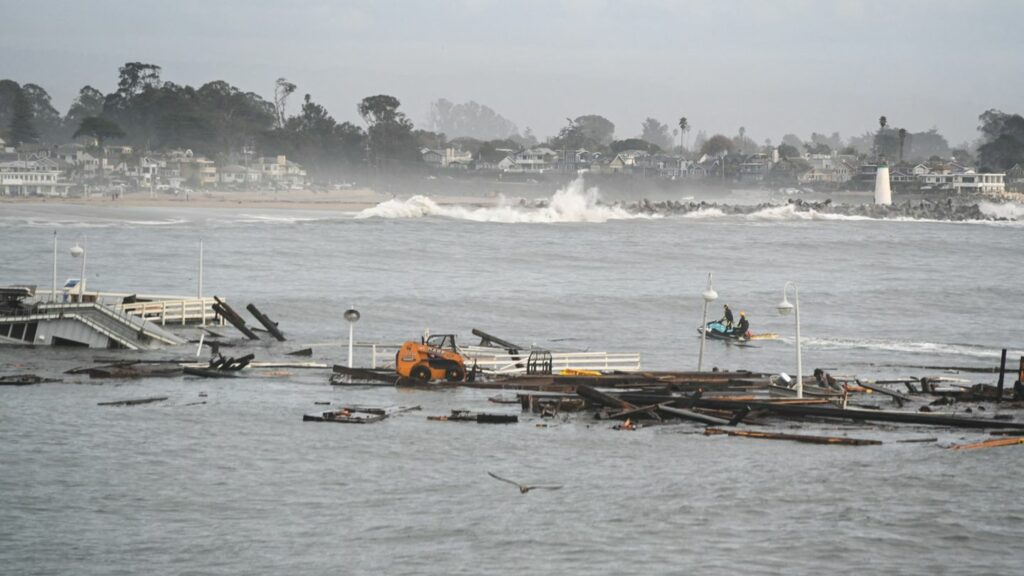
(221, 121)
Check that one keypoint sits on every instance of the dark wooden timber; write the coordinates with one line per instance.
(303, 352)
(691, 415)
(226, 312)
(1002, 374)
(803, 410)
(885, 391)
(489, 340)
(794, 437)
(594, 395)
(134, 402)
(269, 324)
(208, 372)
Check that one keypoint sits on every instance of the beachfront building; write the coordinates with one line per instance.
(281, 172)
(1015, 178)
(31, 178)
(963, 182)
(446, 158)
(535, 160)
(235, 174)
(76, 158)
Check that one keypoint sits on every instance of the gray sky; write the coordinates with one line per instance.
(771, 66)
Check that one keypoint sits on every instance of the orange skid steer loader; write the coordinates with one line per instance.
(435, 359)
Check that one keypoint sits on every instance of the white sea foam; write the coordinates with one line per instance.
(902, 346)
(1011, 210)
(573, 203)
(705, 213)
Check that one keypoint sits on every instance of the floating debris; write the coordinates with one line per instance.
(134, 402)
(995, 443)
(478, 417)
(357, 414)
(25, 380)
(793, 437)
(523, 488)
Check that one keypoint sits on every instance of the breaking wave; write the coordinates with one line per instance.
(1009, 210)
(902, 346)
(790, 212)
(573, 203)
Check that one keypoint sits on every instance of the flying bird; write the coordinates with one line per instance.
(523, 489)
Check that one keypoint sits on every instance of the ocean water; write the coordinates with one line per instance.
(240, 485)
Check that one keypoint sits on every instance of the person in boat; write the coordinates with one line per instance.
(726, 317)
(742, 326)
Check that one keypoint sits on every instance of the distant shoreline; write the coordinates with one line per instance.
(352, 200)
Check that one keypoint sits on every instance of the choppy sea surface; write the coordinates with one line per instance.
(240, 485)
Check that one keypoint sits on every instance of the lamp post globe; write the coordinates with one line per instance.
(785, 307)
(709, 295)
(351, 316)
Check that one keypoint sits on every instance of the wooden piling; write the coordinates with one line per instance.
(269, 324)
(1002, 374)
(228, 313)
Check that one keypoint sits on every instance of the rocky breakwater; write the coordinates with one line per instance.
(946, 209)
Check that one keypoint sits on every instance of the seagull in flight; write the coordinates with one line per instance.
(523, 489)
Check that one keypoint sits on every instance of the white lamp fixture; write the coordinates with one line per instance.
(784, 308)
(351, 316)
(78, 251)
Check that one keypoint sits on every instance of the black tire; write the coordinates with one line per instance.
(455, 374)
(421, 373)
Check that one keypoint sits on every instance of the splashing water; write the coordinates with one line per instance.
(573, 203)
(1010, 210)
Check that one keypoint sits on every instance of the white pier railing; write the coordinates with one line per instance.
(181, 312)
(505, 363)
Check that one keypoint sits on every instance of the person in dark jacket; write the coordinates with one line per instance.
(742, 326)
(727, 318)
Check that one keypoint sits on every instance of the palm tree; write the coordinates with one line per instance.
(882, 122)
(684, 125)
(903, 137)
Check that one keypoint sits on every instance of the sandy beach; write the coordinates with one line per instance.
(334, 200)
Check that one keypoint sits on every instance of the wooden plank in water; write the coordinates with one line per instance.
(885, 391)
(133, 402)
(226, 312)
(994, 443)
(838, 440)
(691, 415)
(269, 324)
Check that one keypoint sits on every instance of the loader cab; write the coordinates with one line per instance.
(442, 342)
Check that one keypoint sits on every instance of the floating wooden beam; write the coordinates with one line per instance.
(228, 313)
(269, 324)
(794, 437)
(691, 415)
(994, 443)
(134, 402)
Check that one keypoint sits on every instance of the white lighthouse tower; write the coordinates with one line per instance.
(883, 193)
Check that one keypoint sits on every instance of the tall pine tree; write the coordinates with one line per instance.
(21, 129)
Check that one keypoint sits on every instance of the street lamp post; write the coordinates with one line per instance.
(785, 307)
(78, 251)
(352, 316)
(709, 296)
